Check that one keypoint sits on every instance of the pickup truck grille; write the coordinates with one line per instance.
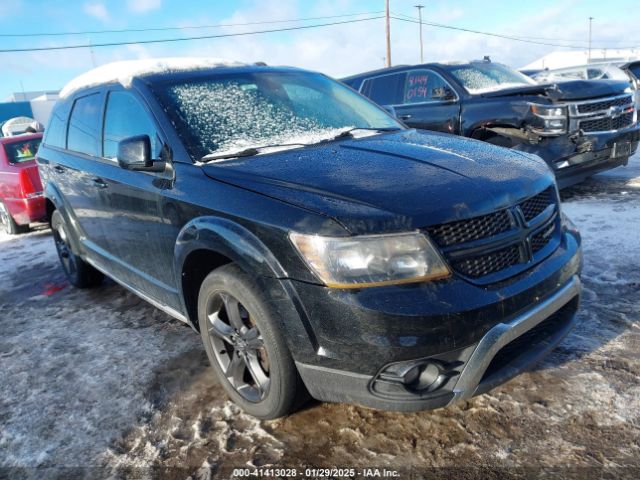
(603, 115)
(604, 104)
(606, 124)
(492, 247)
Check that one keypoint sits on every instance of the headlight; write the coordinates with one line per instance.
(370, 260)
(550, 119)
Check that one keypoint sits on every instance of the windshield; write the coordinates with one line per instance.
(18, 152)
(487, 77)
(235, 112)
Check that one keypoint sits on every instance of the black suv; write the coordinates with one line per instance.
(578, 127)
(315, 243)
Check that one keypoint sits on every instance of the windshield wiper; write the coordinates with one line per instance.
(349, 133)
(247, 152)
(252, 151)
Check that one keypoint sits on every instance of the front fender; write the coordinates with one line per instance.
(229, 239)
(242, 247)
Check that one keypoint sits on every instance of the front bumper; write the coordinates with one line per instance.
(575, 158)
(473, 375)
(364, 343)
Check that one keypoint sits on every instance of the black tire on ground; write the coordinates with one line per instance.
(79, 273)
(245, 346)
(7, 224)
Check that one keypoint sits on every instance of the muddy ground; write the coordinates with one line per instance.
(98, 383)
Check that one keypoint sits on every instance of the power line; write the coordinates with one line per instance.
(188, 27)
(507, 37)
(182, 39)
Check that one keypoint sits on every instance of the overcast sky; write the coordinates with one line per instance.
(337, 50)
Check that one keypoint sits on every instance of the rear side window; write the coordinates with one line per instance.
(18, 152)
(126, 117)
(56, 133)
(84, 125)
(385, 90)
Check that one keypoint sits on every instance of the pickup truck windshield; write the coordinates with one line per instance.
(229, 113)
(484, 77)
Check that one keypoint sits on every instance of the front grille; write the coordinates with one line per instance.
(501, 246)
(531, 338)
(542, 238)
(608, 123)
(482, 265)
(604, 104)
(473, 229)
(535, 205)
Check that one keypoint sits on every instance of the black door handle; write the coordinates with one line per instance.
(58, 169)
(405, 117)
(98, 182)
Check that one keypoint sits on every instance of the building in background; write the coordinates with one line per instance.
(37, 105)
(581, 57)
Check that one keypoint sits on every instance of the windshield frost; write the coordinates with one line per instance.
(229, 114)
(486, 77)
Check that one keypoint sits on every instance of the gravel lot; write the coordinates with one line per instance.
(97, 383)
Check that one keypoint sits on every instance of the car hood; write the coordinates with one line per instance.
(570, 90)
(391, 182)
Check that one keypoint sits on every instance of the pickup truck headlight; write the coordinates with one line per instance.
(371, 260)
(550, 119)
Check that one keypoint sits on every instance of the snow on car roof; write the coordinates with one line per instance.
(124, 72)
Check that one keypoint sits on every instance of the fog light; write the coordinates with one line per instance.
(419, 377)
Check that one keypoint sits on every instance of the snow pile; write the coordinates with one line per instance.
(124, 72)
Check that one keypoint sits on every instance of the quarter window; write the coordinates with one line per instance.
(84, 125)
(56, 132)
(126, 117)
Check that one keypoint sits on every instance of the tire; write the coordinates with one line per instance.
(79, 273)
(8, 225)
(248, 352)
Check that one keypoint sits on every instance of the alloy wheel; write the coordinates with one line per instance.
(238, 347)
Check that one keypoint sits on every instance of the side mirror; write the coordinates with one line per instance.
(443, 93)
(134, 153)
(390, 110)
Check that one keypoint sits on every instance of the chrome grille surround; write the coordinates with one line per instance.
(601, 115)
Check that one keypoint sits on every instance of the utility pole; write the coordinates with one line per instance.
(420, 7)
(589, 56)
(388, 24)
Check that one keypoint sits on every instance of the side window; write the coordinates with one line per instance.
(385, 90)
(126, 117)
(595, 73)
(424, 86)
(84, 125)
(55, 134)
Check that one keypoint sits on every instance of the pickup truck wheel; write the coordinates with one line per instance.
(7, 224)
(79, 273)
(245, 346)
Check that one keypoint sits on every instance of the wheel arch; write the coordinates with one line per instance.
(207, 243)
(55, 201)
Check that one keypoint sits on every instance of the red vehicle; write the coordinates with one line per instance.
(21, 200)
